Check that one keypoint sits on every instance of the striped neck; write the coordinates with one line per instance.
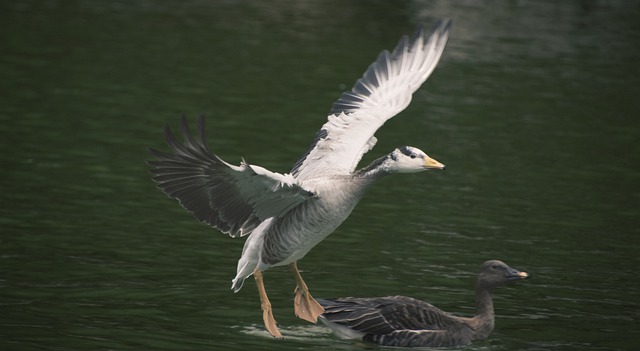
(375, 170)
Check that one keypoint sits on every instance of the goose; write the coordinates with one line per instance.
(285, 215)
(408, 322)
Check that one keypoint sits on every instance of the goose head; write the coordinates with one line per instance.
(409, 159)
(495, 273)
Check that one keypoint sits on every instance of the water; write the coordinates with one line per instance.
(533, 109)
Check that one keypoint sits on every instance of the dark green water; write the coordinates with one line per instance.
(534, 109)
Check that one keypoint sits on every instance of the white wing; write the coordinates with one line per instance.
(234, 199)
(384, 90)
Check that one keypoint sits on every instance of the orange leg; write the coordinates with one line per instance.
(267, 313)
(304, 305)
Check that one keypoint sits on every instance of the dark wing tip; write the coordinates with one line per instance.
(442, 27)
(419, 32)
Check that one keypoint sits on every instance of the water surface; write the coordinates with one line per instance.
(533, 109)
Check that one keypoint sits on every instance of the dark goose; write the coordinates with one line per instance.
(405, 321)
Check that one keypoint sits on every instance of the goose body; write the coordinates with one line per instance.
(277, 242)
(286, 215)
(408, 322)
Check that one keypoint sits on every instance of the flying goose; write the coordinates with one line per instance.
(407, 322)
(285, 215)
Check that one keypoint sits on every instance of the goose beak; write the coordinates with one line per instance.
(518, 275)
(430, 163)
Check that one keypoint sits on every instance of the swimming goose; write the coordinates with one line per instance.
(404, 321)
(285, 215)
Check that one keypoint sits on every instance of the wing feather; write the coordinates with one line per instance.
(383, 91)
(384, 315)
(233, 199)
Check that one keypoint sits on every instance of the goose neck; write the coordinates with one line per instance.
(484, 319)
(375, 170)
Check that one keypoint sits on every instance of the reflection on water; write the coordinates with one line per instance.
(531, 109)
(308, 333)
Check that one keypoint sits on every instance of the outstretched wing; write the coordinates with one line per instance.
(234, 199)
(384, 90)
